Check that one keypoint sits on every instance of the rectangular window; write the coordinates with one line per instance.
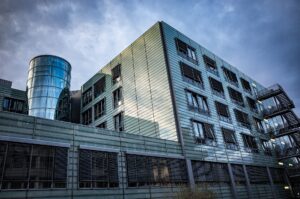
(99, 87)
(252, 104)
(266, 146)
(223, 112)
(186, 51)
(103, 125)
(238, 174)
(197, 102)
(250, 143)
(210, 172)
(14, 105)
(87, 97)
(118, 97)
(242, 118)
(98, 169)
(236, 97)
(116, 74)
(246, 85)
(210, 65)
(204, 133)
(99, 109)
(28, 166)
(87, 116)
(230, 77)
(217, 87)
(229, 139)
(191, 75)
(257, 175)
(155, 171)
(259, 125)
(119, 122)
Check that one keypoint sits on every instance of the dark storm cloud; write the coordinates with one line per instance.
(261, 38)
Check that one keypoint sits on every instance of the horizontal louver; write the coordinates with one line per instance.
(257, 175)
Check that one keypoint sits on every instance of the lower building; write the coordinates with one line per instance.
(41, 158)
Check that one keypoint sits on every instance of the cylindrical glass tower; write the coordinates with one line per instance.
(48, 86)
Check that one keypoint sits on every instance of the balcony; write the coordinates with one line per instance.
(288, 152)
(279, 109)
(283, 130)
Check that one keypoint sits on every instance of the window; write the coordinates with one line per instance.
(210, 65)
(99, 87)
(236, 97)
(217, 87)
(155, 171)
(186, 51)
(277, 175)
(116, 74)
(28, 166)
(118, 97)
(197, 102)
(14, 105)
(100, 109)
(103, 125)
(259, 125)
(257, 175)
(252, 104)
(98, 169)
(203, 133)
(242, 118)
(249, 143)
(87, 97)
(223, 112)
(266, 146)
(229, 139)
(191, 75)
(238, 174)
(230, 77)
(246, 85)
(210, 172)
(87, 116)
(119, 122)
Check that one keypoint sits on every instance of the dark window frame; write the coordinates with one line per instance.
(100, 109)
(252, 104)
(230, 76)
(102, 125)
(191, 75)
(217, 87)
(250, 143)
(236, 97)
(242, 118)
(197, 102)
(99, 87)
(117, 97)
(210, 65)
(225, 117)
(246, 85)
(205, 133)
(266, 146)
(116, 74)
(119, 122)
(230, 139)
(87, 97)
(87, 116)
(186, 51)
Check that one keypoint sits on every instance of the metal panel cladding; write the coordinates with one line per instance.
(48, 79)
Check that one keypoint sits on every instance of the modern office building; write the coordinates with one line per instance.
(48, 87)
(165, 113)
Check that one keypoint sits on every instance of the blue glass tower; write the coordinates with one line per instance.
(48, 86)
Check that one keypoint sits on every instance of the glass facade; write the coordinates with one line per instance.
(48, 78)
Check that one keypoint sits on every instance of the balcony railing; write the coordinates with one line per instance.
(288, 152)
(283, 129)
(293, 171)
(268, 92)
(277, 110)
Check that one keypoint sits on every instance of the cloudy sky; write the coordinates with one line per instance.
(260, 37)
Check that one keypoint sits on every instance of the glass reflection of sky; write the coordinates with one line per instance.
(47, 77)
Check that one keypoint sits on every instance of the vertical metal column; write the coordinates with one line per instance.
(247, 182)
(233, 187)
(271, 182)
(190, 173)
